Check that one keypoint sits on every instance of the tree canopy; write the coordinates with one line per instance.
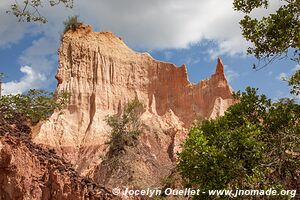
(255, 145)
(35, 105)
(29, 10)
(126, 127)
(274, 36)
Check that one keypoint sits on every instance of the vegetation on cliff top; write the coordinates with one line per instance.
(71, 23)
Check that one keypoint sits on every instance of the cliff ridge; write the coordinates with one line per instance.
(102, 74)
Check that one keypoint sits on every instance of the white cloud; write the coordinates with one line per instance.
(149, 24)
(169, 23)
(40, 55)
(11, 30)
(172, 23)
(144, 24)
(282, 76)
(230, 73)
(30, 80)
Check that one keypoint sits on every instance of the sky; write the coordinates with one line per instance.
(191, 32)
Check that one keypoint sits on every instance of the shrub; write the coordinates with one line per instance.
(72, 23)
(255, 145)
(35, 105)
(126, 127)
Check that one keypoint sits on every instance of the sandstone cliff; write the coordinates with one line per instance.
(30, 172)
(101, 73)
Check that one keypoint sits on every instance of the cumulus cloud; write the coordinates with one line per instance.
(143, 24)
(155, 24)
(40, 55)
(11, 31)
(30, 80)
(168, 24)
(172, 23)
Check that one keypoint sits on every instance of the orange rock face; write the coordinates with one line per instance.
(30, 172)
(101, 73)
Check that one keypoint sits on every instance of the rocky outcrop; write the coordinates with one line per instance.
(101, 73)
(29, 172)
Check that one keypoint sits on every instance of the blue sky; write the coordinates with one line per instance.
(191, 32)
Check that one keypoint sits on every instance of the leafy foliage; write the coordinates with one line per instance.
(126, 127)
(255, 145)
(35, 105)
(71, 23)
(273, 36)
(294, 82)
(247, 6)
(28, 10)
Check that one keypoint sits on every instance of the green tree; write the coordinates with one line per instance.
(126, 127)
(273, 36)
(35, 105)
(255, 145)
(29, 10)
(294, 83)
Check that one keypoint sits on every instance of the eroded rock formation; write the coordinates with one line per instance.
(101, 73)
(31, 172)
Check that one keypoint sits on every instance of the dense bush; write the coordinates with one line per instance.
(126, 127)
(35, 105)
(255, 145)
